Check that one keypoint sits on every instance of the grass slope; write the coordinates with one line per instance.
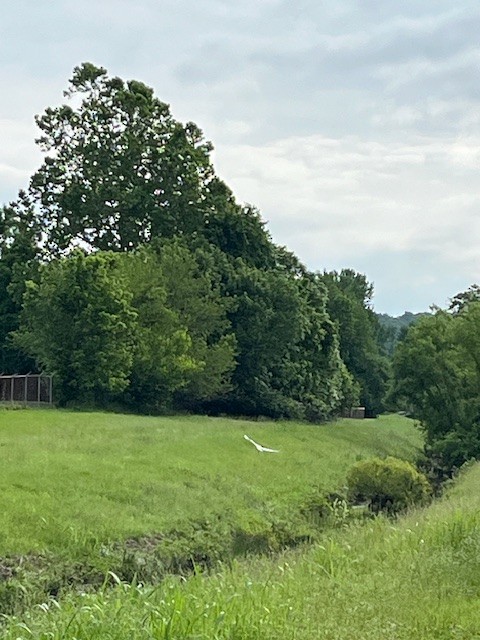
(414, 578)
(73, 481)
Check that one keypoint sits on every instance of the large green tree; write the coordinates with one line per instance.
(185, 351)
(437, 376)
(78, 324)
(20, 236)
(427, 373)
(288, 356)
(121, 171)
(119, 168)
(349, 305)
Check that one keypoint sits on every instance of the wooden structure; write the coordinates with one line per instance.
(357, 412)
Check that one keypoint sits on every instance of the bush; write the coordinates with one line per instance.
(387, 485)
(455, 448)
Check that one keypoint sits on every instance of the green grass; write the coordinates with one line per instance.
(414, 578)
(70, 481)
(85, 494)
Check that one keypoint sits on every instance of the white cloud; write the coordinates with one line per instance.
(341, 199)
(18, 156)
(422, 67)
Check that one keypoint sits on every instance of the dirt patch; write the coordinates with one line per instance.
(146, 544)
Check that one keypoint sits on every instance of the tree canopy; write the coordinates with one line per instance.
(78, 323)
(120, 171)
(129, 270)
(437, 377)
(349, 305)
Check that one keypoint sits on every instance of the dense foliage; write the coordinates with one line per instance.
(19, 250)
(129, 271)
(437, 378)
(390, 485)
(349, 305)
(77, 320)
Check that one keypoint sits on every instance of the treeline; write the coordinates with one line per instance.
(129, 271)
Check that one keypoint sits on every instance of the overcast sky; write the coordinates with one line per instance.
(354, 126)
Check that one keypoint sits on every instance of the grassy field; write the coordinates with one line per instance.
(410, 579)
(73, 479)
(85, 494)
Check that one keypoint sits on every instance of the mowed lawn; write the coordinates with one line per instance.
(70, 479)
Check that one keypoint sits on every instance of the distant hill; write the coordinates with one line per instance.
(394, 328)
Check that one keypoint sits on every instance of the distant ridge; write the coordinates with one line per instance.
(394, 328)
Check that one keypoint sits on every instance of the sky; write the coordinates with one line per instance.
(353, 126)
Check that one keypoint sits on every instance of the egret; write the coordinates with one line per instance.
(259, 447)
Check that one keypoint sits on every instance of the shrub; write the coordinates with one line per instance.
(455, 448)
(387, 485)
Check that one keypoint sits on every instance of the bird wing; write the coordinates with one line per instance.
(259, 446)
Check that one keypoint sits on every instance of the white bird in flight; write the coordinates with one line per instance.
(259, 447)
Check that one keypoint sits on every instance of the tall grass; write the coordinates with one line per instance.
(414, 578)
